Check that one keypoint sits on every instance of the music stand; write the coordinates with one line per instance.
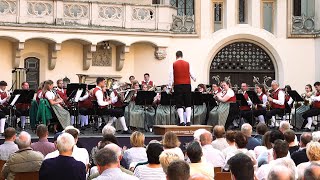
(254, 99)
(73, 90)
(196, 99)
(167, 100)
(210, 102)
(145, 98)
(90, 86)
(297, 98)
(241, 101)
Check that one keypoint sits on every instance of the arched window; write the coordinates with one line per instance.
(185, 7)
(32, 64)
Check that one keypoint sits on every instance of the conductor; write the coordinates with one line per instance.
(180, 74)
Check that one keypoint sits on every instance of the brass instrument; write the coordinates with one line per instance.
(58, 97)
(109, 83)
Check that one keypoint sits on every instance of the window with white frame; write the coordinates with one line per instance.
(304, 8)
(267, 9)
(218, 15)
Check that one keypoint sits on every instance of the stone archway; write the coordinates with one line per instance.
(242, 61)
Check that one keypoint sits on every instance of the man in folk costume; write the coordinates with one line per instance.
(4, 98)
(315, 109)
(147, 81)
(245, 111)
(118, 108)
(23, 108)
(276, 101)
(61, 91)
(180, 74)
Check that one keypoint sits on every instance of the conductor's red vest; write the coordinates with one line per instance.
(181, 72)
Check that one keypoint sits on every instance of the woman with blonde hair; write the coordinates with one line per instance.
(313, 154)
(171, 143)
(137, 153)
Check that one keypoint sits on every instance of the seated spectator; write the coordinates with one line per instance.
(43, 145)
(212, 156)
(197, 133)
(289, 136)
(261, 129)
(316, 136)
(108, 166)
(220, 142)
(265, 145)
(171, 143)
(166, 158)
(199, 177)
(313, 153)
(8, 147)
(194, 152)
(280, 156)
(79, 154)
(137, 153)
(246, 129)
(153, 169)
(284, 126)
(108, 130)
(241, 167)
(178, 170)
(64, 166)
(279, 172)
(232, 144)
(300, 156)
(24, 160)
(312, 172)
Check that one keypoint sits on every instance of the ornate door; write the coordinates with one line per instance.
(242, 62)
(32, 64)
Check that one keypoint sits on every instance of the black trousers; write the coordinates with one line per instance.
(273, 112)
(247, 115)
(117, 112)
(259, 112)
(233, 113)
(182, 95)
(309, 113)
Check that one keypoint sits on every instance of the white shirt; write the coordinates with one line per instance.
(86, 96)
(229, 150)
(135, 154)
(245, 151)
(281, 98)
(264, 100)
(113, 98)
(177, 151)
(264, 170)
(5, 99)
(213, 156)
(303, 166)
(143, 172)
(49, 95)
(99, 96)
(315, 98)
(171, 74)
(79, 154)
(220, 144)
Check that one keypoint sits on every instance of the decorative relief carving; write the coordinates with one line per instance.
(183, 24)
(38, 8)
(102, 56)
(303, 25)
(160, 53)
(75, 11)
(110, 12)
(143, 14)
(8, 7)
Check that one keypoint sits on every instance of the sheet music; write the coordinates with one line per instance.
(16, 97)
(78, 95)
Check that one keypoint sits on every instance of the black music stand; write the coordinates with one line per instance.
(145, 98)
(167, 100)
(72, 90)
(196, 99)
(297, 98)
(210, 102)
(241, 101)
(91, 86)
(255, 100)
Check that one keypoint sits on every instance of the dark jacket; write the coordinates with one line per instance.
(300, 156)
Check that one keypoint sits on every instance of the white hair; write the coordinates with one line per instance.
(108, 130)
(316, 136)
(71, 127)
(281, 171)
(246, 129)
(115, 148)
(197, 133)
(23, 140)
(274, 82)
(65, 142)
(285, 125)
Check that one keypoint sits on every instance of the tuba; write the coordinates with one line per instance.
(109, 83)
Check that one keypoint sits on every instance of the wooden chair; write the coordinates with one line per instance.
(217, 170)
(1, 165)
(223, 176)
(27, 176)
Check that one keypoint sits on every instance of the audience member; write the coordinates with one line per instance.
(166, 158)
(199, 177)
(64, 166)
(178, 170)
(8, 147)
(43, 145)
(313, 154)
(108, 166)
(212, 156)
(265, 146)
(312, 172)
(220, 142)
(261, 129)
(153, 169)
(108, 130)
(241, 167)
(279, 172)
(300, 156)
(171, 143)
(194, 153)
(137, 153)
(24, 160)
(316, 136)
(284, 126)
(246, 129)
(231, 141)
(289, 136)
(197, 133)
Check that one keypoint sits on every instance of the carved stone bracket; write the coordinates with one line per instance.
(87, 55)
(52, 55)
(160, 53)
(17, 48)
(120, 56)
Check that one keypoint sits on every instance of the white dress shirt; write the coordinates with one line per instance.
(213, 156)
(5, 99)
(99, 96)
(220, 144)
(264, 100)
(281, 98)
(264, 170)
(79, 154)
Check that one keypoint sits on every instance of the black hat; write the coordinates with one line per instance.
(3, 83)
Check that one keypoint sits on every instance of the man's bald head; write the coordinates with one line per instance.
(115, 148)
(312, 172)
(218, 131)
(199, 177)
(205, 138)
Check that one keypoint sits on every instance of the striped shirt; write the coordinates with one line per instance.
(144, 172)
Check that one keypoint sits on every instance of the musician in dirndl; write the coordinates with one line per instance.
(162, 116)
(300, 108)
(200, 111)
(260, 109)
(226, 112)
(4, 98)
(314, 110)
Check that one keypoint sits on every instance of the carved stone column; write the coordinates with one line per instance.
(160, 53)
(52, 54)
(17, 48)
(120, 56)
(87, 55)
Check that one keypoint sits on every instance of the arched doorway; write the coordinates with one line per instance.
(32, 64)
(242, 62)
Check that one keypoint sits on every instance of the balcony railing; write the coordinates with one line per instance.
(87, 14)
